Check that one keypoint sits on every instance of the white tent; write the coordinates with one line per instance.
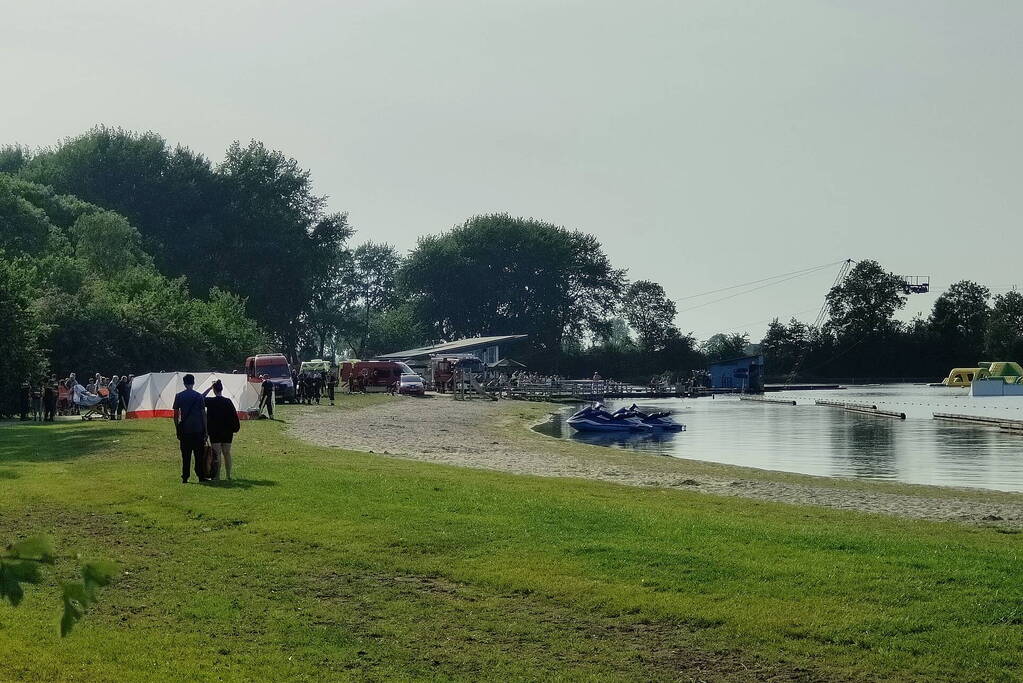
(152, 395)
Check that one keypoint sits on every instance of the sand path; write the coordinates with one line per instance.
(494, 436)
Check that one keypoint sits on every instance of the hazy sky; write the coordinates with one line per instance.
(704, 143)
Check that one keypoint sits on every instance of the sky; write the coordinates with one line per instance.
(705, 143)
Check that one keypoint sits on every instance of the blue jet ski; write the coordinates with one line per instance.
(660, 420)
(595, 419)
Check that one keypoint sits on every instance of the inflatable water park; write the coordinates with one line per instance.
(999, 378)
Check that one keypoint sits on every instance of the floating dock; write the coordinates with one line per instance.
(761, 399)
(802, 387)
(1005, 424)
(875, 411)
(844, 404)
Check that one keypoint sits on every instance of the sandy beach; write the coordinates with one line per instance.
(496, 436)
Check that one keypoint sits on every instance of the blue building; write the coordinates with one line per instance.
(745, 374)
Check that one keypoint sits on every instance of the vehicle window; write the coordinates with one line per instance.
(276, 371)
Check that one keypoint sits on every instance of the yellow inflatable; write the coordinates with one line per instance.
(963, 377)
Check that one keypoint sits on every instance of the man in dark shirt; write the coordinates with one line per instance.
(316, 384)
(50, 400)
(267, 397)
(190, 423)
(122, 396)
(331, 383)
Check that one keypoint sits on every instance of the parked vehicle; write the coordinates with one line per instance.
(412, 385)
(373, 375)
(275, 366)
(445, 367)
(315, 365)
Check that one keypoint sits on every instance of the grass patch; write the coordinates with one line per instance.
(327, 564)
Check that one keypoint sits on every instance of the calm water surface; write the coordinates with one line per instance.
(812, 439)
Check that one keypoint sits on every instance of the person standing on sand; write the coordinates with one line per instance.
(190, 424)
(222, 424)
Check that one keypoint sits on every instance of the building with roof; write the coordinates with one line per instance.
(487, 349)
(744, 374)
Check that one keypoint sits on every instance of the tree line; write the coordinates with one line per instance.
(861, 337)
(121, 252)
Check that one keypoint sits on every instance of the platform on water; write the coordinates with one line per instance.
(801, 387)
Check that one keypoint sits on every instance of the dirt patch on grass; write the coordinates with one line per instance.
(477, 434)
(470, 621)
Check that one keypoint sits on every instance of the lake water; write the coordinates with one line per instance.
(811, 439)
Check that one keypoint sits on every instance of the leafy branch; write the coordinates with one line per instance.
(20, 564)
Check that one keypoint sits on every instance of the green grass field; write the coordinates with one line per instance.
(324, 564)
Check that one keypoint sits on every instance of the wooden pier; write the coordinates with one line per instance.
(599, 390)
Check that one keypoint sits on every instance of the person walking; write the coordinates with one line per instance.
(222, 424)
(190, 425)
(267, 397)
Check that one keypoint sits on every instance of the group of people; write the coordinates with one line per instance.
(43, 400)
(312, 386)
(200, 419)
(524, 377)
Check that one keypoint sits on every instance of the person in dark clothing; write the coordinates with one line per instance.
(222, 424)
(331, 383)
(122, 396)
(37, 402)
(307, 388)
(317, 386)
(190, 423)
(127, 395)
(267, 397)
(50, 400)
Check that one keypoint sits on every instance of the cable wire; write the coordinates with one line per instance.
(756, 282)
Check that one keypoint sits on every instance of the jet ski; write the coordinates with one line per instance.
(660, 420)
(595, 419)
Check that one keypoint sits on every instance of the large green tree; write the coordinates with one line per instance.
(723, 346)
(22, 333)
(651, 314)
(1005, 329)
(497, 274)
(863, 305)
(785, 346)
(251, 225)
(90, 296)
(959, 321)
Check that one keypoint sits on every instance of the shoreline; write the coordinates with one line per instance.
(500, 436)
